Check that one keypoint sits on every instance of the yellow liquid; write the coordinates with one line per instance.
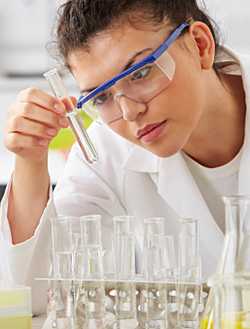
(229, 322)
(19, 322)
(206, 324)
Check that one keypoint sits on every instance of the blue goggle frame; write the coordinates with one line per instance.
(149, 59)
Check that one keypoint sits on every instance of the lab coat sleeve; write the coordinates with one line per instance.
(30, 259)
(81, 191)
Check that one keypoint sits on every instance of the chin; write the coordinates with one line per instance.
(163, 152)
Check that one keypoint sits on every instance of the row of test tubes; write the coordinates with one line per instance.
(95, 288)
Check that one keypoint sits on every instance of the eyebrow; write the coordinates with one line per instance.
(130, 63)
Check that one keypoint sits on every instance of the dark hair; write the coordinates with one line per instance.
(79, 20)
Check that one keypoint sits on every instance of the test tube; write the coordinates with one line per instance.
(189, 285)
(92, 249)
(75, 120)
(153, 230)
(124, 254)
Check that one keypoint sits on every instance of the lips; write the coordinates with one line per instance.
(149, 128)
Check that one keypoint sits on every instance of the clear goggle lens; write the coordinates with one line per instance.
(140, 86)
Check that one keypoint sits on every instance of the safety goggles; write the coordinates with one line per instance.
(140, 83)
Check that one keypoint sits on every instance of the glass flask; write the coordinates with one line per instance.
(231, 301)
(235, 257)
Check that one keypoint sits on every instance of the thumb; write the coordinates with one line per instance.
(69, 103)
(73, 100)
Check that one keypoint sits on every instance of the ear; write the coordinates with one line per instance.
(204, 42)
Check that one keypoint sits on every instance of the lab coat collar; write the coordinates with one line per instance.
(141, 160)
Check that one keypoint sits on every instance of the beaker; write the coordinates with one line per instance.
(235, 257)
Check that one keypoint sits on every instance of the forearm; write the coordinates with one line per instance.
(28, 198)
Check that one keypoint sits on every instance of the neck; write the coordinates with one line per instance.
(220, 132)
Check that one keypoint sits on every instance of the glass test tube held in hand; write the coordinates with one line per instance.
(73, 116)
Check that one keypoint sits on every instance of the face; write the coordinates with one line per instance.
(168, 121)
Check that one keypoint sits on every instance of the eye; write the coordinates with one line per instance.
(101, 99)
(142, 73)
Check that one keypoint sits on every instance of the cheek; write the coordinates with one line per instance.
(121, 128)
(185, 95)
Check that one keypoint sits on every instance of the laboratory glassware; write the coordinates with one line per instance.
(153, 227)
(153, 295)
(231, 301)
(124, 259)
(235, 257)
(66, 241)
(124, 247)
(73, 116)
(189, 285)
(92, 288)
(92, 249)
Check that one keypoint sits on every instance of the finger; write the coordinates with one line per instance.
(31, 128)
(73, 100)
(36, 113)
(68, 103)
(16, 142)
(39, 97)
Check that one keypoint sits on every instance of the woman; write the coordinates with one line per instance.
(173, 139)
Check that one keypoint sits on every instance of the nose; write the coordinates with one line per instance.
(130, 108)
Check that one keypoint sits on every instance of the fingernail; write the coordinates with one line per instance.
(63, 122)
(58, 108)
(51, 132)
(43, 142)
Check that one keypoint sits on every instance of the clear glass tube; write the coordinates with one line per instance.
(73, 116)
(91, 231)
(189, 255)
(92, 249)
(153, 230)
(124, 259)
(124, 248)
(66, 240)
(189, 285)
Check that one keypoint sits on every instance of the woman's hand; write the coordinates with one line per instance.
(34, 119)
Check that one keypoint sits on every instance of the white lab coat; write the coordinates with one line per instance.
(126, 180)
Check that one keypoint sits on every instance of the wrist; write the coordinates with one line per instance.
(28, 165)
